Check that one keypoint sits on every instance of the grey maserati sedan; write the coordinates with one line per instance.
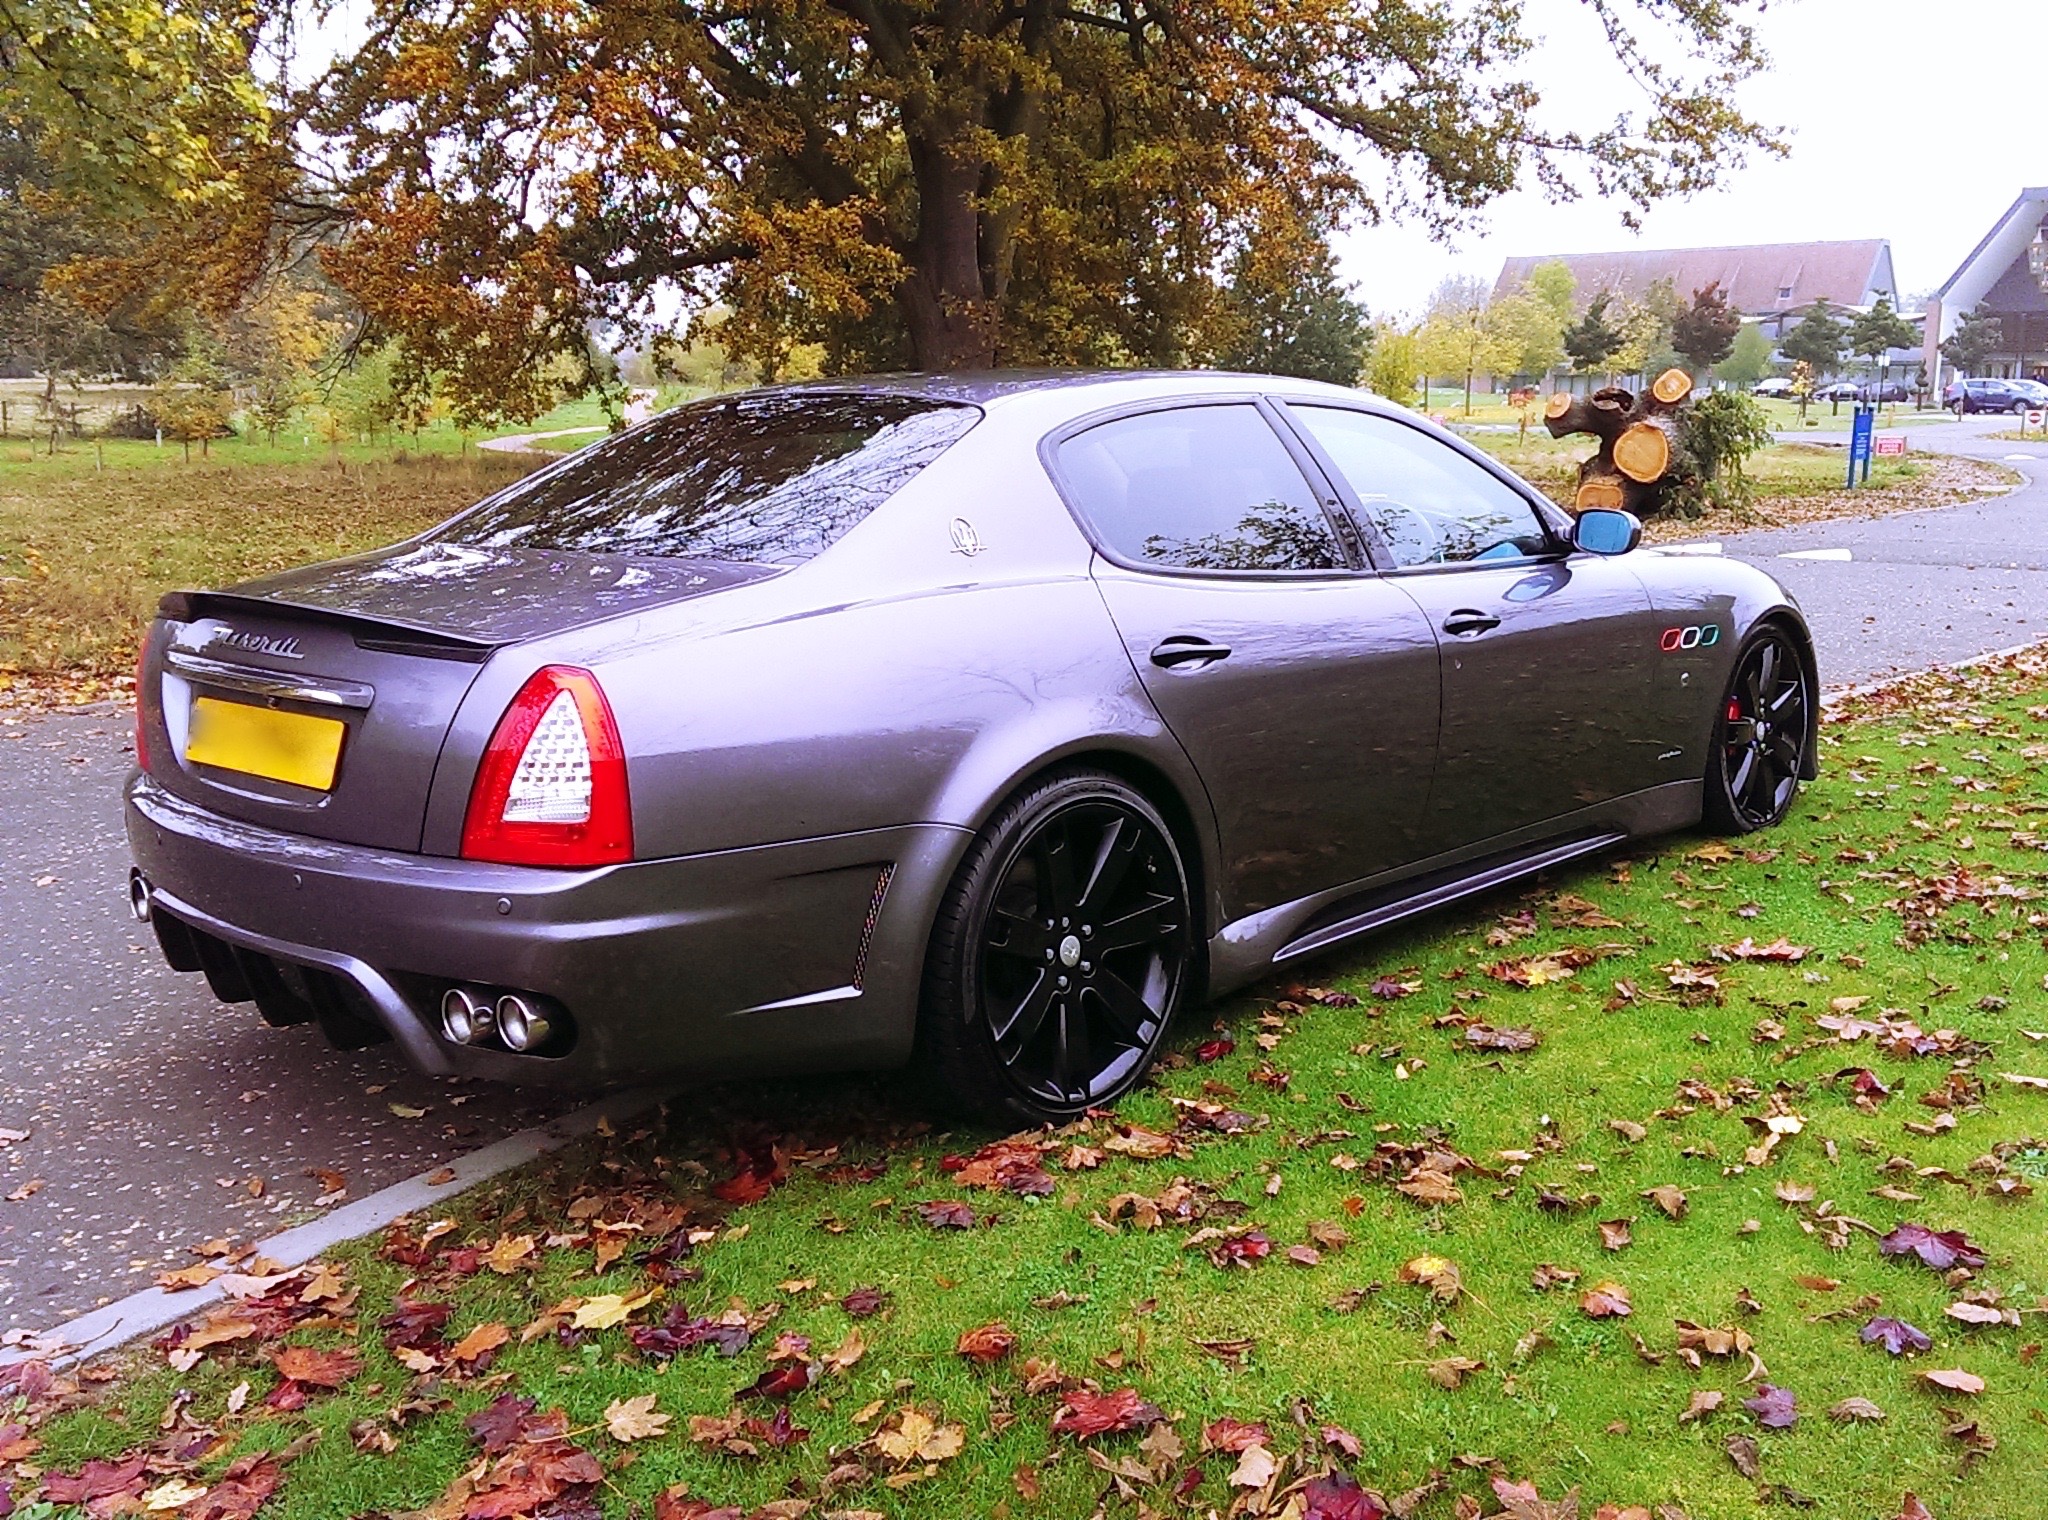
(979, 721)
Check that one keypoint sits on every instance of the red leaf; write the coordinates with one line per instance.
(1775, 1408)
(783, 1382)
(1939, 1249)
(1241, 1249)
(96, 1480)
(1339, 1497)
(946, 1214)
(1215, 1050)
(414, 1324)
(321, 1369)
(987, 1344)
(241, 1491)
(1234, 1435)
(509, 1420)
(864, 1303)
(287, 1396)
(1084, 1414)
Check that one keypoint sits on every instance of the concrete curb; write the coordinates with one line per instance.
(153, 1309)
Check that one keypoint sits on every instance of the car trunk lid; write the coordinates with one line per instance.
(318, 701)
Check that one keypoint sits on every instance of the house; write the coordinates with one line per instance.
(1774, 284)
(2008, 272)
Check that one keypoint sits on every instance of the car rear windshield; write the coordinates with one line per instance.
(758, 480)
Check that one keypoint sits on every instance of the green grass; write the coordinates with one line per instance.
(1915, 789)
(83, 557)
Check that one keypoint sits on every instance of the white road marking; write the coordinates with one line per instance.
(152, 1309)
(1833, 554)
(2024, 458)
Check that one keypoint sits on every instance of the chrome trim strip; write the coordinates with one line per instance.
(270, 683)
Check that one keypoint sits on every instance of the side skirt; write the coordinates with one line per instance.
(1246, 949)
(1436, 892)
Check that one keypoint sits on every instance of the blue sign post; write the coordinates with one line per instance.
(1861, 429)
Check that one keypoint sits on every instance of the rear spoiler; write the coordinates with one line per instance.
(388, 635)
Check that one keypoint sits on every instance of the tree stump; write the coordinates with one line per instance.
(1640, 456)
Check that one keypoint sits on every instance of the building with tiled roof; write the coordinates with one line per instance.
(1765, 281)
(2008, 273)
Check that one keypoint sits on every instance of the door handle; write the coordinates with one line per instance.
(1188, 649)
(1468, 621)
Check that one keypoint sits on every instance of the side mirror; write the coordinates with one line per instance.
(1601, 530)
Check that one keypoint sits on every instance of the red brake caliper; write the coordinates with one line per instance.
(1734, 711)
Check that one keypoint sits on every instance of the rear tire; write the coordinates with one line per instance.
(1062, 950)
(1761, 731)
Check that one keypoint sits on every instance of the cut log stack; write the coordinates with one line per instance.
(1640, 457)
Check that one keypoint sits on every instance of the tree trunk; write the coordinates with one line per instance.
(1639, 458)
(946, 310)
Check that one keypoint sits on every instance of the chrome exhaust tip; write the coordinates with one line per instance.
(141, 896)
(466, 1017)
(522, 1025)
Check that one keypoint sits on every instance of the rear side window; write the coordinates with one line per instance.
(756, 480)
(1197, 488)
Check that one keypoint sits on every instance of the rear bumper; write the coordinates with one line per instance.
(798, 956)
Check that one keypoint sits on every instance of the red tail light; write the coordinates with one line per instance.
(141, 708)
(551, 790)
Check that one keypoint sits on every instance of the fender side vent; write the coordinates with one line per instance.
(867, 928)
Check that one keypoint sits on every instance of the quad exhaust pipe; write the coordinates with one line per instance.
(520, 1021)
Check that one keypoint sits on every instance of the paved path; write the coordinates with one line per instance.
(1921, 588)
(151, 1107)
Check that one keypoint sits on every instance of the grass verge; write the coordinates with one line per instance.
(1381, 1226)
(83, 558)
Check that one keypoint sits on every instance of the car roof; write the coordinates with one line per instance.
(983, 387)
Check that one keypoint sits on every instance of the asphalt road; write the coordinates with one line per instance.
(1921, 588)
(151, 1109)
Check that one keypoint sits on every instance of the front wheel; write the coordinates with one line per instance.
(1760, 736)
(1061, 951)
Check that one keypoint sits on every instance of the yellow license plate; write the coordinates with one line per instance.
(264, 741)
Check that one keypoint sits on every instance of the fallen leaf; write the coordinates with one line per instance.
(1606, 1301)
(635, 1419)
(1084, 1414)
(608, 1310)
(1775, 1408)
(1255, 1468)
(1939, 1249)
(1614, 1233)
(484, 1338)
(323, 1369)
(914, 1436)
(1704, 1402)
(1451, 1371)
(1743, 1452)
(1855, 1408)
(987, 1344)
(1895, 1335)
(1954, 1380)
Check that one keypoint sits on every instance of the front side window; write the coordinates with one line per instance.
(755, 479)
(1432, 505)
(1197, 488)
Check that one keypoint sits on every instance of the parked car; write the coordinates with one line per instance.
(1839, 390)
(985, 720)
(1987, 395)
(1776, 385)
(1889, 390)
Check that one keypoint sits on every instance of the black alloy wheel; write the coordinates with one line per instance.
(1760, 736)
(1061, 953)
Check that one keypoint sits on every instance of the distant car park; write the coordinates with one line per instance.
(1839, 390)
(1988, 395)
(1890, 390)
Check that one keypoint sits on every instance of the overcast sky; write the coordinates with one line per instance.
(1915, 122)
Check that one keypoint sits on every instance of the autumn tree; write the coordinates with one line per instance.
(1873, 334)
(943, 183)
(1394, 365)
(1704, 330)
